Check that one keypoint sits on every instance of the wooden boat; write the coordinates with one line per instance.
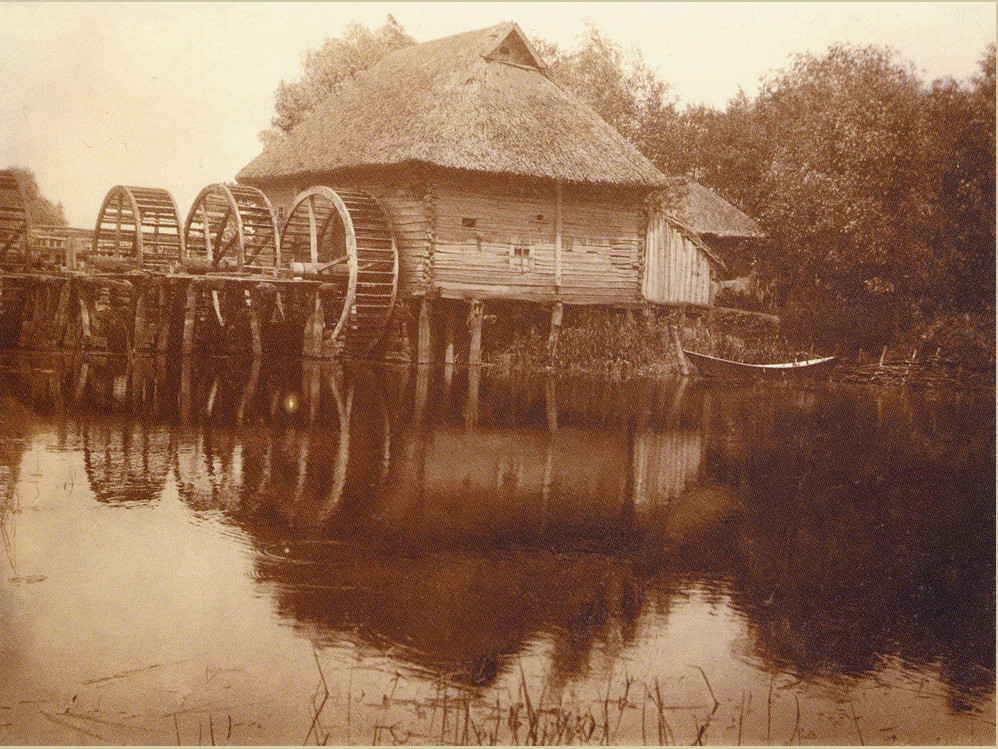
(712, 366)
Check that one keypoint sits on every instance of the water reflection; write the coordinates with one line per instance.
(455, 522)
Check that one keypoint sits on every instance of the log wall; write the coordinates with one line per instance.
(473, 236)
(498, 238)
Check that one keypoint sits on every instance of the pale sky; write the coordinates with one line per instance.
(169, 95)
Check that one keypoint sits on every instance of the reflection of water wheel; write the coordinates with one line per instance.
(232, 227)
(126, 462)
(345, 238)
(140, 227)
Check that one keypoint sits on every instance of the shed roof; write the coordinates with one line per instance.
(704, 211)
(475, 101)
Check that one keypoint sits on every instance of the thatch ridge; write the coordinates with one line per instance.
(442, 103)
(704, 211)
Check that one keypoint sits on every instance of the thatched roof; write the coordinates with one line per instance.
(475, 101)
(704, 211)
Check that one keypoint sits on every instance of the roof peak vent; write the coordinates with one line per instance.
(515, 49)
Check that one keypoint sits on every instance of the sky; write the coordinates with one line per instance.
(174, 95)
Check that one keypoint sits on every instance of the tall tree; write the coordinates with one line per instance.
(41, 210)
(618, 85)
(844, 189)
(960, 170)
(329, 66)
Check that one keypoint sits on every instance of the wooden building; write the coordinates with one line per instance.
(726, 231)
(499, 185)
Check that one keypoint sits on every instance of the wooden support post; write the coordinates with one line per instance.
(557, 234)
(551, 402)
(424, 352)
(164, 317)
(557, 310)
(475, 317)
(471, 403)
(62, 312)
(84, 337)
(449, 345)
(648, 318)
(684, 365)
(254, 321)
(422, 390)
(139, 332)
(449, 336)
(190, 317)
(314, 329)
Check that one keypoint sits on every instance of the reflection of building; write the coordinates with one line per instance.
(461, 613)
(845, 528)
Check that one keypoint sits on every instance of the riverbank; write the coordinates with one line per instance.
(957, 351)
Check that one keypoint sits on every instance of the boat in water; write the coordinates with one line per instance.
(712, 366)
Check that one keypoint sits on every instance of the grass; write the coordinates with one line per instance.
(453, 714)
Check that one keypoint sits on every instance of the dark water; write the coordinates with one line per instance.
(283, 554)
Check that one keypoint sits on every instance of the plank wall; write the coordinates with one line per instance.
(676, 271)
(496, 238)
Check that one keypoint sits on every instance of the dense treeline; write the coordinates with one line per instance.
(876, 189)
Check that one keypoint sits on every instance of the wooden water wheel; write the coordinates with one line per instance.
(344, 238)
(231, 227)
(138, 227)
(14, 221)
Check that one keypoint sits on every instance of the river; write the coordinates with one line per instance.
(220, 552)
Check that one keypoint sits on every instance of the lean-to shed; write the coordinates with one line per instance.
(725, 230)
(499, 184)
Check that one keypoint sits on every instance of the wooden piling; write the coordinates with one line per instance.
(314, 329)
(475, 318)
(684, 365)
(62, 311)
(424, 352)
(193, 299)
(139, 332)
(557, 310)
(163, 319)
(449, 336)
(256, 337)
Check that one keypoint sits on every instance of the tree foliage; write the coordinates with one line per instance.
(875, 189)
(41, 210)
(332, 64)
(616, 83)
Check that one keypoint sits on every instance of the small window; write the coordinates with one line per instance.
(469, 223)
